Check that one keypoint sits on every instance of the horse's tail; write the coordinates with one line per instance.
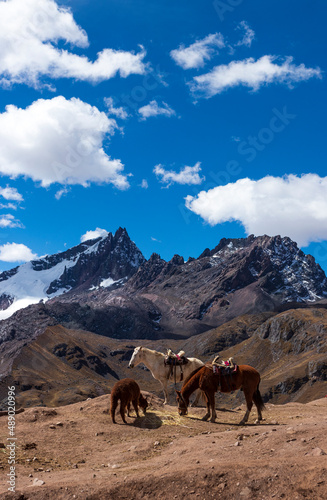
(257, 398)
(113, 405)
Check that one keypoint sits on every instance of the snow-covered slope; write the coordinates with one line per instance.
(105, 262)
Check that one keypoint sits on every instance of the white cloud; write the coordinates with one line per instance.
(120, 112)
(58, 140)
(187, 175)
(144, 184)
(61, 192)
(199, 52)
(29, 33)
(8, 220)
(153, 109)
(9, 206)
(290, 206)
(252, 74)
(16, 252)
(9, 193)
(248, 35)
(92, 235)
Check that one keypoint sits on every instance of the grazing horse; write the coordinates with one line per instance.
(155, 362)
(127, 391)
(245, 378)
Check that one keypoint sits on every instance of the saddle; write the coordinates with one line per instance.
(223, 367)
(173, 360)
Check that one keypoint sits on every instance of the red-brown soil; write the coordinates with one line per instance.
(78, 453)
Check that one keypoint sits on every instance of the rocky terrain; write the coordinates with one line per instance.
(76, 452)
(111, 290)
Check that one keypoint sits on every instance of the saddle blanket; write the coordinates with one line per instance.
(224, 370)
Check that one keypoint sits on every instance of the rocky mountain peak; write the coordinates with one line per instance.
(102, 261)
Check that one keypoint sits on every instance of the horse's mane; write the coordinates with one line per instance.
(191, 374)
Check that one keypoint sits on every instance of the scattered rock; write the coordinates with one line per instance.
(29, 446)
(246, 492)
(38, 482)
(316, 452)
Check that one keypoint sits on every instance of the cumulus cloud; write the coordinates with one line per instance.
(119, 112)
(290, 206)
(187, 175)
(197, 54)
(154, 109)
(58, 141)
(92, 235)
(16, 252)
(8, 220)
(144, 184)
(29, 34)
(9, 206)
(248, 35)
(10, 193)
(251, 73)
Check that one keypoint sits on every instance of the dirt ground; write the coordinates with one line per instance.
(76, 452)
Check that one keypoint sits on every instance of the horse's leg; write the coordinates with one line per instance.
(165, 390)
(249, 404)
(128, 408)
(207, 415)
(136, 408)
(257, 399)
(197, 398)
(213, 407)
(122, 411)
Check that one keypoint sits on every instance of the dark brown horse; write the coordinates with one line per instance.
(245, 378)
(127, 391)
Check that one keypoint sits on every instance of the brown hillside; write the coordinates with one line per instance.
(289, 349)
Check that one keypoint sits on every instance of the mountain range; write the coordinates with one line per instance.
(105, 287)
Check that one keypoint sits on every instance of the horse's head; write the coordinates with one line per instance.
(136, 357)
(143, 403)
(182, 404)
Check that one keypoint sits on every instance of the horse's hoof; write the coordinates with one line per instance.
(257, 422)
(241, 422)
(205, 418)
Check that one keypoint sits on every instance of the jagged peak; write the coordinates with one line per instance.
(178, 260)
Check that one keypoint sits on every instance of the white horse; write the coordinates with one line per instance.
(155, 362)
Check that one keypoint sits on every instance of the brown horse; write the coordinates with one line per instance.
(127, 391)
(245, 378)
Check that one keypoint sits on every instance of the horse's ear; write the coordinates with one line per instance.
(178, 393)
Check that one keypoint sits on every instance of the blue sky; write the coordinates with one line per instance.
(184, 122)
